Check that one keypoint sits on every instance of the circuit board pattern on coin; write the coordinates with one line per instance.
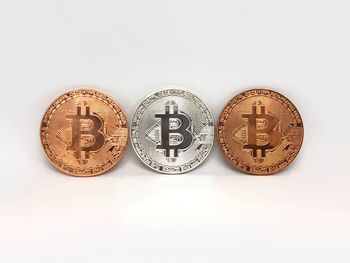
(172, 131)
(84, 132)
(260, 131)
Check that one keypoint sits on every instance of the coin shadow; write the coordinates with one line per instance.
(57, 172)
(230, 170)
(292, 166)
(51, 167)
(210, 166)
(130, 163)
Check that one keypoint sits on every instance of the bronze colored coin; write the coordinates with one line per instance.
(84, 132)
(260, 132)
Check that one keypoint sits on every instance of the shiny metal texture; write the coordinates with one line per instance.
(260, 131)
(172, 131)
(84, 132)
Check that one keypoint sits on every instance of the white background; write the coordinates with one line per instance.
(128, 49)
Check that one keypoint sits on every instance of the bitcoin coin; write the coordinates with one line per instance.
(84, 132)
(260, 131)
(172, 131)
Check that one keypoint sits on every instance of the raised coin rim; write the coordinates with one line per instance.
(163, 88)
(220, 137)
(83, 175)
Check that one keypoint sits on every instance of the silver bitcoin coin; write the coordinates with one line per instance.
(172, 131)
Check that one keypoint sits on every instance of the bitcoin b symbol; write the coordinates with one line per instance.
(175, 130)
(86, 133)
(261, 131)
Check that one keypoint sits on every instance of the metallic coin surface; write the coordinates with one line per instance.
(260, 131)
(172, 131)
(84, 132)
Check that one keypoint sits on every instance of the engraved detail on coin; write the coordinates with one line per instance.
(262, 135)
(172, 131)
(173, 134)
(266, 131)
(90, 132)
(86, 133)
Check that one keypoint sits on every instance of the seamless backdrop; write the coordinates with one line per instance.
(217, 49)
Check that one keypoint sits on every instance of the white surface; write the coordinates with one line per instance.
(215, 213)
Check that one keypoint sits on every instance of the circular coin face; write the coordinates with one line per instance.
(172, 131)
(260, 131)
(84, 132)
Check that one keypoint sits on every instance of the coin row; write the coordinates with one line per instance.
(84, 132)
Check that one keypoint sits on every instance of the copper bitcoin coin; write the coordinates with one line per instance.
(84, 132)
(260, 131)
